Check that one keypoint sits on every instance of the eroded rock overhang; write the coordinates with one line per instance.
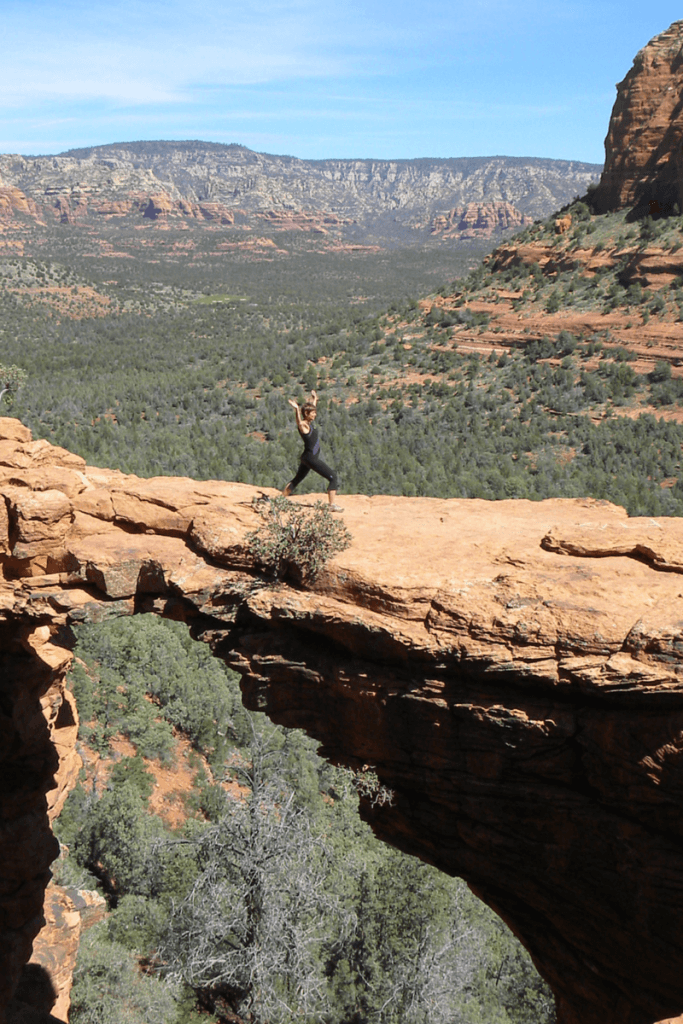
(511, 670)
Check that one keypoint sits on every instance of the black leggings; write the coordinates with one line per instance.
(315, 463)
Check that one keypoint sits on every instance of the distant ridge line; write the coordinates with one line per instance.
(150, 145)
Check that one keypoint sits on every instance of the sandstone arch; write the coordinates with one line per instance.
(511, 669)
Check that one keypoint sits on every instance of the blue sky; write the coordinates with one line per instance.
(321, 78)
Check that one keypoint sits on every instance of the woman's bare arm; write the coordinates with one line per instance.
(300, 422)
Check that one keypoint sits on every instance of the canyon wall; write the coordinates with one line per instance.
(513, 671)
(233, 185)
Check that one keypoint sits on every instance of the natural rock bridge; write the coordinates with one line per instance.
(513, 670)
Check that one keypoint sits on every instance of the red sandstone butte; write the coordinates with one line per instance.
(643, 147)
(512, 670)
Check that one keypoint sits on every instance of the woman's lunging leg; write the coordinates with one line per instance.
(322, 469)
(301, 473)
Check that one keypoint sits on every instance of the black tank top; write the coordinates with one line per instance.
(311, 440)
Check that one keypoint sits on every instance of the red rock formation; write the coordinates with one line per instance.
(318, 223)
(55, 950)
(643, 154)
(158, 206)
(210, 211)
(13, 201)
(563, 224)
(511, 325)
(113, 209)
(655, 268)
(68, 211)
(478, 220)
(512, 670)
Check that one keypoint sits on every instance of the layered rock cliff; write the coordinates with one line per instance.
(212, 182)
(478, 219)
(513, 671)
(643, 147)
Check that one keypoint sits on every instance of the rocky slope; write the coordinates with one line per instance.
(512, 671)
(643, 148)
(592, 284)
(231, 184)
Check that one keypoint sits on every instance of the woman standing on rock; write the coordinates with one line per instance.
(310, 457)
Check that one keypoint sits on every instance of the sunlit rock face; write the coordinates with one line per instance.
(512, 672)
(643, 147)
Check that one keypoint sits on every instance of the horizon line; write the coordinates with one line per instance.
(289, 156)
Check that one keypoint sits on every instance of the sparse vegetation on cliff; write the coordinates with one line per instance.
(295, 539)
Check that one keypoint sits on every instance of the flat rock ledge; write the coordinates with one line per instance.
(512, 671)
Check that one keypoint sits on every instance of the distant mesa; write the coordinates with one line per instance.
(644, 143)
(367, 200)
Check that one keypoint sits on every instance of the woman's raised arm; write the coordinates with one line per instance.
(297, 413)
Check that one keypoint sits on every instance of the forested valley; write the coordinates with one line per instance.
(262, 897)
(154, 375)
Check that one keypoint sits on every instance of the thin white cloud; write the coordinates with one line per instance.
(151, 52)
(147, 51)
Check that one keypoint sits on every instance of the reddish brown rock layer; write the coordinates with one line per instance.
(509, 325)
(563, 224)
(13, 201)
(643, 156)
(653, 268)
(161, 207)
(479, 220)
(512, 670)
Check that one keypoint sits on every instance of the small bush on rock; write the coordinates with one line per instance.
(296, 540)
